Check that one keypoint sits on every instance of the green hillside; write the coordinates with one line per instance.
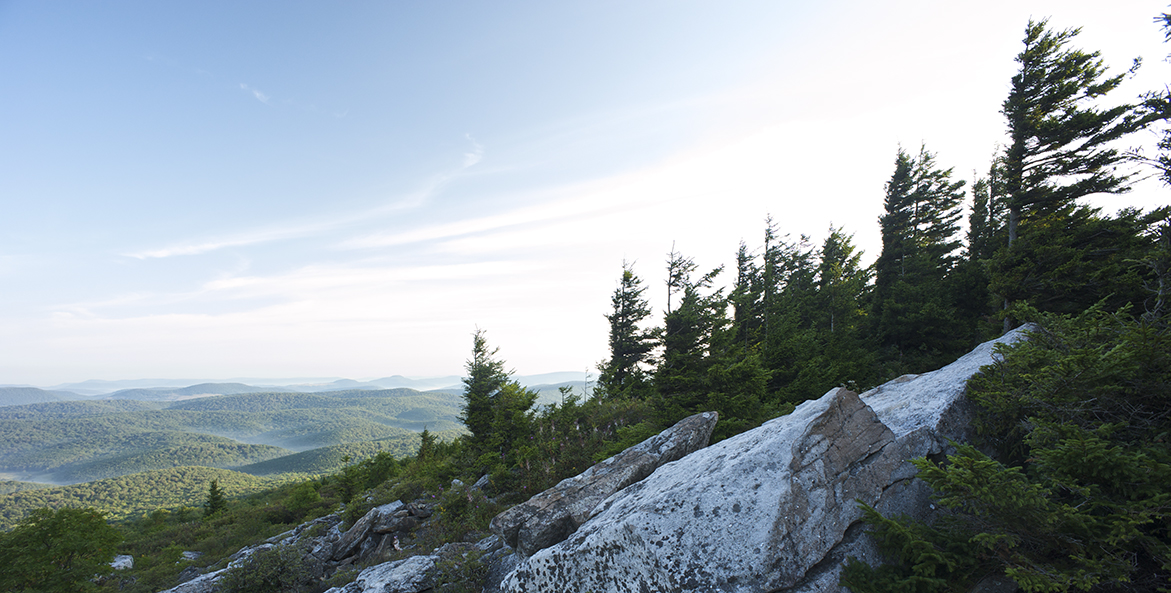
(10, 486)
(132, 495)
(202, 389)
(343, 427)
(15, 396)
(40, 411)
(331, 459)
(211, 454)
(70, 442)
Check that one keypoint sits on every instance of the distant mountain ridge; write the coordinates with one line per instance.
(18, 396)
(166, 390)
(170, 394)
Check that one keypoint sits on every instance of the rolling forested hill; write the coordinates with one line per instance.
(200, 390)
(80, 441)
(16, 396)
(10, 486)
(128, 496)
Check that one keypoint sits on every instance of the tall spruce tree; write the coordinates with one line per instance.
(842, 354)
(747, 299)
(485, 378)
(969, 280)
(913, 311)
(842, 283)
(688, 329)
(1160, 103)
(790, 340)
(215, 501)
(497, 411)
(624, 375)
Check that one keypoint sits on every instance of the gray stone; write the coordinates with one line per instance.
(498, 569)
(483, 482)
(189, 573)
(206, 583)
(351, 541)
(122, 562)
(409, 575)
(554, 514)
(772, 509)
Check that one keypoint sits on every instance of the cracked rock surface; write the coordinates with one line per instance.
(772, 509)
(554, 514)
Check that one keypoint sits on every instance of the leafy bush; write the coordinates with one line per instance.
(277, 569)
(58, 550)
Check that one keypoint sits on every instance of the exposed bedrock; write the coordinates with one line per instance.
(772, 509)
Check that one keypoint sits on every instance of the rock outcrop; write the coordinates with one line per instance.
(554, 514)
(326, 548)
(772, 509)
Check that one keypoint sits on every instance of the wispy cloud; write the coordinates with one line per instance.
(416, 199)
(475, 155)
(248, 238)
(260, 96)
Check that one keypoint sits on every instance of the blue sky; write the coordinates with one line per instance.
(277, 189)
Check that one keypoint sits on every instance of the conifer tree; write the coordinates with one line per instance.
(497, 411)
(790, 340)
(841, 284)
(1062, 147)
(485, 378)
(747, 300)
(624, 375)
(687, 338)
(968, 281)
(913, 312)
(215, 500)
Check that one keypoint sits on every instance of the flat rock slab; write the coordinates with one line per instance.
(554, 514)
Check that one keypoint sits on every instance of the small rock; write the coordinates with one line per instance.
(189, 573)
(483, 482)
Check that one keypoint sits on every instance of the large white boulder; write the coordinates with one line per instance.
(772, 509)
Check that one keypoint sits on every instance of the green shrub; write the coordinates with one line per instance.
(1079, 415)
(278, 569)
(58, 550)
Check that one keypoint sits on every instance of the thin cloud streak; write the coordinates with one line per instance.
(417, 199)
(263, 98)
(253, 238)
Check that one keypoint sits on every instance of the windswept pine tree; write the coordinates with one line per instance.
(1061, 255)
